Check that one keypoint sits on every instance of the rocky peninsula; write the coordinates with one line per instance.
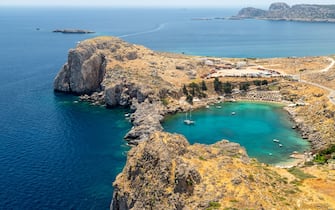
(282, 11)
(164, 171)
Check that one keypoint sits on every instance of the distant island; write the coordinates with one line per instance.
(282, 11)
(73, 31)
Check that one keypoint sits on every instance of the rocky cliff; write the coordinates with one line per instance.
(83, 72)
(112, 72)
(300, 12)
(166, 172)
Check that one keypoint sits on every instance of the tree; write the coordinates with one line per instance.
(244, 86)
(257, 82)
(189, 99)
(217, 85)
(227, 88)
(185, 91)
(195, 89)
(265, 82)
(203, 85)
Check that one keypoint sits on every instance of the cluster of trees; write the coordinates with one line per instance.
(260, 82)
(198, 89)
(228, 87)
(220, 87)
(195, 90)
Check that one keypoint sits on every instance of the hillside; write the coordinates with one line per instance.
(300, 12)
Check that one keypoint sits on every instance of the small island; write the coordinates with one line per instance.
(282, 11)
(73, 31)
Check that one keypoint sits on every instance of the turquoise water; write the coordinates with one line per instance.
(57, 154)
(254, 126)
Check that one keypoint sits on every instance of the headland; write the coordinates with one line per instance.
(163, 171)
(282, 11)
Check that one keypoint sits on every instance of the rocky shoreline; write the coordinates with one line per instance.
(85, 74)
(163, 171)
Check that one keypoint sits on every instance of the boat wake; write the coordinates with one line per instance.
(158, 28)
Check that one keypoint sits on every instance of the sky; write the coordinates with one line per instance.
(158, 3)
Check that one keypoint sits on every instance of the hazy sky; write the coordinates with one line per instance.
(160, 3)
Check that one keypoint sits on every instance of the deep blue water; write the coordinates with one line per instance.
(57, 154)
(254, 126)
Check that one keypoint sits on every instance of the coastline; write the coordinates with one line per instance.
(294, 159)
(116, 78)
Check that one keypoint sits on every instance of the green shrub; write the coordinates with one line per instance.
(325, 155)
(213, 205)
(299, 173)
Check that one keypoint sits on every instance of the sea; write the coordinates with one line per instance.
(59, 153)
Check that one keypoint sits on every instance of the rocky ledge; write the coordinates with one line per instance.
(282, 11)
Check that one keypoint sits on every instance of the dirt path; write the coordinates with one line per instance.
(331, 95)
(330, 65)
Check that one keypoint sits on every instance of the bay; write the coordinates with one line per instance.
(253, 125)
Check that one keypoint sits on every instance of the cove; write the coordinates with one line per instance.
(252, 125)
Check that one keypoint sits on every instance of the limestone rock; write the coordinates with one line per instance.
(251, 12)
(279, 6)
(145, 120)
(83, 72)
(123, 94)
(149, 178)
(166, 172)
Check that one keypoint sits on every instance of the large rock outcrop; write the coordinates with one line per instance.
(157, 176)
(166, 172)
(109, 71)
(300, 12)
(84, 71)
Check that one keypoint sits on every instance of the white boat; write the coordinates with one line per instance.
(188, 121)
(280, 145)
(233, 113)
(276, 140)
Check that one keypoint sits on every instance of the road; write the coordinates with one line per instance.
(331, 95)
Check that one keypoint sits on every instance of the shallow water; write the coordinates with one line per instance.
(254, 126)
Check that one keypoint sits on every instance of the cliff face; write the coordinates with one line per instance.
(83, 72)
(282, 11)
